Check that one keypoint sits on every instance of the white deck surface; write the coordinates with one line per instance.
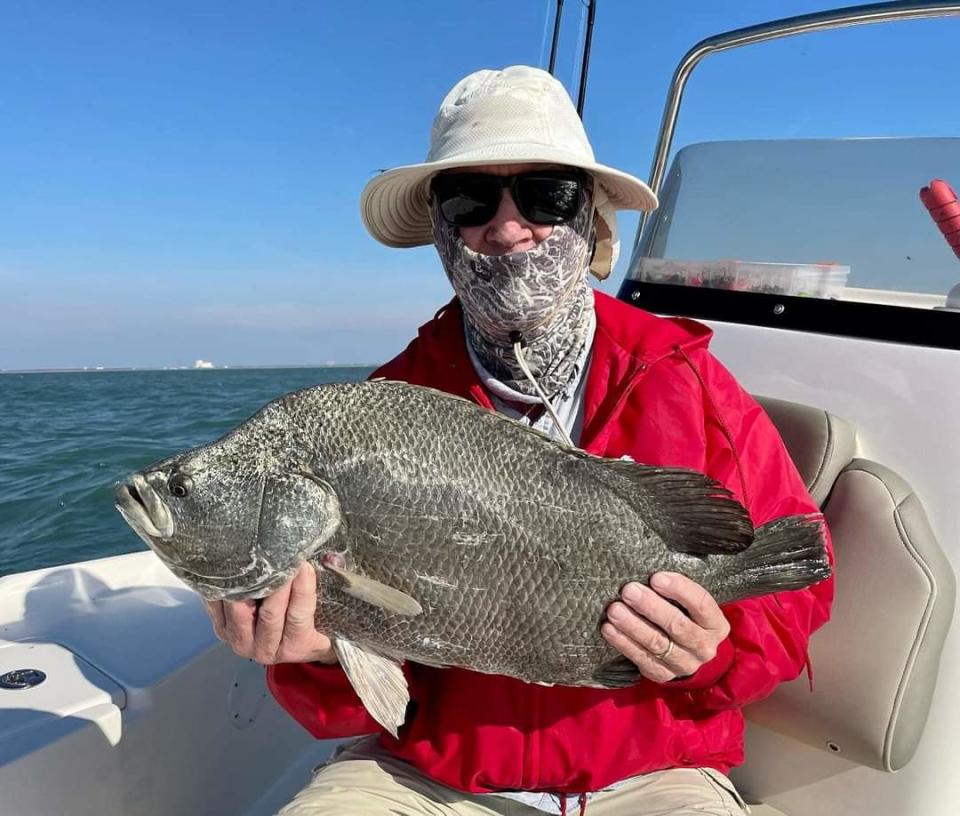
(142, 711)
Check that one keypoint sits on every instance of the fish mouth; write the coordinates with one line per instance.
(143, 509)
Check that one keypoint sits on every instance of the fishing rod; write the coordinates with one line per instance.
(587, 43)
(585, 64)
(556, 37)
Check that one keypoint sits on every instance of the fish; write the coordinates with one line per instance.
(449, 535)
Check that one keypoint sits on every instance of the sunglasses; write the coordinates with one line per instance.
(542, 196)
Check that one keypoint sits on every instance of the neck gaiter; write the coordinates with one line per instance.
(541, 293)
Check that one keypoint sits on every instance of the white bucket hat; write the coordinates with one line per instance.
(516, 115)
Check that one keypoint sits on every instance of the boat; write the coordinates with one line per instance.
(117, 699)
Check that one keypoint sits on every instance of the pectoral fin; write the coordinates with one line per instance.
(371, 591)
(378, 681)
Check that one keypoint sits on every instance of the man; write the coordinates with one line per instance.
(520, 212)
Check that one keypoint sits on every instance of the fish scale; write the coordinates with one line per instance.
(449, 535)
(531, 648)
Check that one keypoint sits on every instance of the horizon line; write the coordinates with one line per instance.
(106, 369)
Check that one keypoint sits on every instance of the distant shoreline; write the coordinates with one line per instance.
(108, 369)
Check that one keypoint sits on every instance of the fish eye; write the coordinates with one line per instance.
(180, 485)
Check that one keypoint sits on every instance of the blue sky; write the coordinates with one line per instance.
(180, 180)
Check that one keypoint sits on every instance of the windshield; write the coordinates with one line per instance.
(788, 179)
(834, 217)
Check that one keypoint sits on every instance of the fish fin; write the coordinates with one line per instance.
(373, 592)
(618, 673)
(691, 512)
(789, 553)
(378, 681)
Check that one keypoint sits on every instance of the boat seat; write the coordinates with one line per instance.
(875, 663)
(760, 809)
(820, 444)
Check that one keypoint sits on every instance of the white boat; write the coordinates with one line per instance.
(128, 705)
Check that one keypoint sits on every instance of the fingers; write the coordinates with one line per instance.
(699, 604)
(278, 629)
(659, 637)
(634, 638)
(299, 628)
(239, 621)
(215, 611)
(664, 615)
(268, 631)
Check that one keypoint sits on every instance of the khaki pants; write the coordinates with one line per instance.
(364, 779)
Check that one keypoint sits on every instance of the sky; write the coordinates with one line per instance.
(181, 180)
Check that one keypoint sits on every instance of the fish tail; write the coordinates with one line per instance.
(789, 553)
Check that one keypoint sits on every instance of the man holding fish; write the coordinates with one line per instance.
(520, 213)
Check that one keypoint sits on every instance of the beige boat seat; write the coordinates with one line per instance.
(876, 662)
(820, 444)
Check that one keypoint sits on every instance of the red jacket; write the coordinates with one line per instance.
(654, 392)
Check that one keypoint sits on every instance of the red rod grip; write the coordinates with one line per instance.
(941, 202)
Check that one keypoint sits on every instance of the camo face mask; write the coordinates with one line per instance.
(541, 293)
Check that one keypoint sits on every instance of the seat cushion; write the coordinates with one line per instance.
(764, 810)
(875, 663)
(820, 444)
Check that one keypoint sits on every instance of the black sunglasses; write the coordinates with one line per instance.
(542, 196)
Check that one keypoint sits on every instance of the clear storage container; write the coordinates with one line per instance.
(826, 280)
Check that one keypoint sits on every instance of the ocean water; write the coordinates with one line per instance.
(66, 438)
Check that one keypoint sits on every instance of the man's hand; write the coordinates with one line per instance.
(280, 629)
(659, 638)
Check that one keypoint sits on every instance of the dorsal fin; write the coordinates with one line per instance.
(691, 512)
